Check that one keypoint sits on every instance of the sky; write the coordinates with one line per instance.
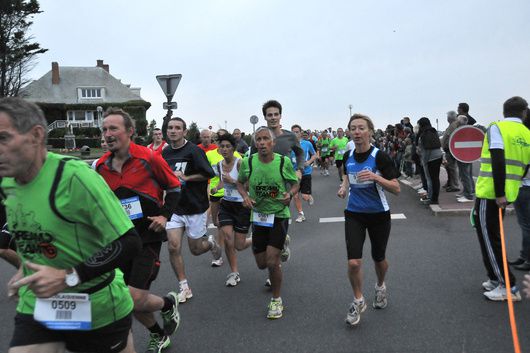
(387, 59)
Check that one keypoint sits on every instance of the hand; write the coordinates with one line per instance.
(248, 202)
(299, 174)
(12, 292)
(158, 223)
(45, 282)
(286, 199)
(501, 202)
(228, 179)
(367, 175)
(526, 286)
(179, 174)
(213, 191)
(343, 192)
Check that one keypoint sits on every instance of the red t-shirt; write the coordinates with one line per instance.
(212, 146)
(160, 148)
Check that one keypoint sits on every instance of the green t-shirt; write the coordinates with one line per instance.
(86, 217)
(323, 145)
(339, 144)
(266, 185)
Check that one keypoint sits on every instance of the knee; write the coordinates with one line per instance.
(173, 246)
(195, 250)
(272, 263)
(139, 298)
(354, 264)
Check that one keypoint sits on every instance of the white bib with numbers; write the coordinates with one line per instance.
(263, 219)
(132, 207)
(64, 311)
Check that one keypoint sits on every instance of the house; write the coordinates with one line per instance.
(77, 96)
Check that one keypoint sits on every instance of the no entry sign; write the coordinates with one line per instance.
(465, 143)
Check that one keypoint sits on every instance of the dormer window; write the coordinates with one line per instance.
(90, 93)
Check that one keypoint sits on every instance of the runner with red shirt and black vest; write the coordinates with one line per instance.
(139, 176)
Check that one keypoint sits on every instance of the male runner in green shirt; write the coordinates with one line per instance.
(71, 234)
(272, 183)
(338, 146)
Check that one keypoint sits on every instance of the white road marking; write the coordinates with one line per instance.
(341, 219)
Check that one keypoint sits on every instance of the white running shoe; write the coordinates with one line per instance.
(421, 191)
(184, 295)
(300, 218)
(218, 263)
(499, 294)
(380, 299)
(311, 200)
(286, 252)
(216, 249)
(268, 283)
(490, 285)
(464, 199)
(232, 279)
(354, 313)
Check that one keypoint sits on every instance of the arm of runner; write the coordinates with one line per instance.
(12, 291)
(242, 185)
(345, 185)
(47, 281)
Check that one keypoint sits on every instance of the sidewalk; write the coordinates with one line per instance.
(447, 204)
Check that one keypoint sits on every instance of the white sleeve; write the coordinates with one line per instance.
(495, 138)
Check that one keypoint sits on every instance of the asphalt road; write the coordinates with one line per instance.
(434, 286)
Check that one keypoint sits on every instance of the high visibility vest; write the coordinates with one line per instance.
(516, 139)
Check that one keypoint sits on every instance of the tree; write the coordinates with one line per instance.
(193, 132)
(150, 130)
(17, 50)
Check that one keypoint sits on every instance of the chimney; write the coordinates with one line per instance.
(106, 67)
(55, 73)
(99, 63)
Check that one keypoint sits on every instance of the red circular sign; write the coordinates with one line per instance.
(465, 143)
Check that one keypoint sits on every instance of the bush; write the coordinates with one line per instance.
(79, 142)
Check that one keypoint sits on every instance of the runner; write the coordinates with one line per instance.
(369, 172)
(305, 183)
(104, 148)
(190, 165)
(158, 143)
(138, 176)
(216, 193)
(324, 152)
(268, 175)
(206, 141)
(234, 219)
(71, 234)
(339, 146)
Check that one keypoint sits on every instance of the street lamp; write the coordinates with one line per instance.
(351, 107)
(100, 114)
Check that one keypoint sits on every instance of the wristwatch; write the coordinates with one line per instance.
(72, 278)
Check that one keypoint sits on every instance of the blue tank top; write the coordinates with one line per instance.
(367, 196)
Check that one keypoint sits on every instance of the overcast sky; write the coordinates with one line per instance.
(388, 59)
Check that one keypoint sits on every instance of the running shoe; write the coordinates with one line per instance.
(354, 313)
(171, 317)
(232, 279)
(499, 294)
(184, 295)
(268, 283)
(464, 199)
(490, 285)
(311, 200)
(380, 300)
(300, 218)
(286, 252)
(275, 309)
(157, 343)
(421, 191)
(217, 263)
(216, 249)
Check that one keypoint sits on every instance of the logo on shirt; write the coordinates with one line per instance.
(29, 236)
(180, 167)
(271, 191)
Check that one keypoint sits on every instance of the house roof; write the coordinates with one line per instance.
(71, 78)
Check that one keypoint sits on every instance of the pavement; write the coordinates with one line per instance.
(447, 204)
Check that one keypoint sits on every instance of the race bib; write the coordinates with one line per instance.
(132, 207)
(324, 149)
(231, 193)
(64, 311)
(293, 159)
(352, 178)
(341, 152)
(263, 219)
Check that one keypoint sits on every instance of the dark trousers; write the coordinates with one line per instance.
(486, 217)
(433, 179)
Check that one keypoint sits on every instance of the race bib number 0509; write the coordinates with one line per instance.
(64, 311)
(263, 219)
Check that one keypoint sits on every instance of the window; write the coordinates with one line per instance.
(90, 93)
(80, 115)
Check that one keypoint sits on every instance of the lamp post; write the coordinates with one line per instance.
(100, 114)
(350, 107)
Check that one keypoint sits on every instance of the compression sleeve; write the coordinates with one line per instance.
(116, 254)
(498, 171)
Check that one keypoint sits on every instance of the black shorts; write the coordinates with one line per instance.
(305, 185)
(356, 225)
(215, 198)
(269, 236)
(144, 267)
(108, 339)
(234, 214)
(324, 159)
(339, 163)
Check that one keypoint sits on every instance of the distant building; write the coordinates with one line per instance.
(79, 95)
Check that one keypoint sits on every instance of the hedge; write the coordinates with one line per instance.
(79, 142)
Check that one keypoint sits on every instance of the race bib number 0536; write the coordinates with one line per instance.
(132, 207)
